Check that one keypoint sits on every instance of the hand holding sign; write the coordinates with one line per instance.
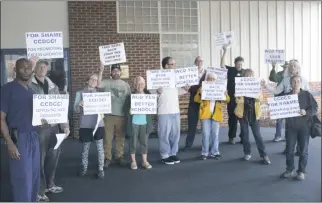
(66, 131)
(302, 112)
(186, 88)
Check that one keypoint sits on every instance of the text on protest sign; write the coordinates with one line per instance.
(224, 38)
(247, 87)
(45, 45)
(112, 54)
(52, 107)
(143, 104)
(284, 106)
(97, 103)
(274, 56)
(221, 73)
(160, 78)
(213, 90)
(186, 76)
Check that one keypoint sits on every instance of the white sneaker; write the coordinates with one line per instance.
(247, 157)
(42, 198)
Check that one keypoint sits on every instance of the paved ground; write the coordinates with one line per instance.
(230, 179)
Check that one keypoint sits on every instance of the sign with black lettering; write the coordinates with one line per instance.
(221, 73)
(161, 78)
(143, 104)
(45, 45)
(284, 106)
(51, 107)
(247, 87)
(274, 56)
(112, 54)
(97, 103)
(224, 38)
(186, 76)
(213, 90)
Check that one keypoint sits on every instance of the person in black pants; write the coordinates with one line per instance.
(233, 72)
(193, 108)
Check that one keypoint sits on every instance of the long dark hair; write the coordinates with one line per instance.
(58, 74)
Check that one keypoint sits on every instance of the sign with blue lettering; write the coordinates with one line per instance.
(144, 104)
(97, 103)
(247, 87)
(51, 107)
(160, 78)
(45, 45)
(274, 56)
(284, 106)
(186, 76)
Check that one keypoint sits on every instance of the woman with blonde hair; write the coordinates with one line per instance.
(87, 126)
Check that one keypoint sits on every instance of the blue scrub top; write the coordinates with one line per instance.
(16, 102)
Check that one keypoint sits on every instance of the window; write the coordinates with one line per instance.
(175, 21)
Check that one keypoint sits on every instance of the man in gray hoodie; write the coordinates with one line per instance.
(49, 156)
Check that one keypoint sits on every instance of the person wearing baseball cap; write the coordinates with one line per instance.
(278, 78)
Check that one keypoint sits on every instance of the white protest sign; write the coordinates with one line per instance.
(213, 90)
(274, 56)
(51, 107)
(224, 38)
(112, 54)
(284, 106)
(247, 87)
(186, 76)
(45, 45)
(97, 103)
(221, 73)
(160, 78)
(144, 104)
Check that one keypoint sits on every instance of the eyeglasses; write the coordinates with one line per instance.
(171, 64)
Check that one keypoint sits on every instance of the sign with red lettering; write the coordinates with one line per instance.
(45, 45)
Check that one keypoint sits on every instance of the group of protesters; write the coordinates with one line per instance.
(33, 159)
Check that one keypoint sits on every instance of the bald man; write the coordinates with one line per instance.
(193, 108)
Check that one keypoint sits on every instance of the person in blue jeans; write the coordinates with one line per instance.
(210, 114)
(20, 135)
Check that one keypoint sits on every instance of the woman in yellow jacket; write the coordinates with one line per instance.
(248, 112)
(210, 115)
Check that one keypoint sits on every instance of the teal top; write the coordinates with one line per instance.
(139, 119)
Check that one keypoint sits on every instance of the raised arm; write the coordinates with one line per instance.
(77, 107)
(222, 59)
(100, 75)
(272, 74)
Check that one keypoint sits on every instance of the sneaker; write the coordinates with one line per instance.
(266, 160)
(287, 174)
(55, 189)
(175, 159)
(146, 165)
(168, 161)
(203, 157)
(107, 162)
(100, 174)
(217, 157)
(300, 176)
(247, 157)
(231, 141)
(42, 198)
(120, 161)
(277, 139)
(82, 172)
(134, 165)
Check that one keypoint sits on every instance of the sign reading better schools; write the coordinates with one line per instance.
(45, 45)
(52, 107)
(112, 54)
(143, 104)
(186, 76)
(97, 103)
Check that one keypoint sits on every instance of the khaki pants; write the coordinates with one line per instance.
(114, 123)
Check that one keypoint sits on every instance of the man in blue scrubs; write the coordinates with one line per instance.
(20, 135)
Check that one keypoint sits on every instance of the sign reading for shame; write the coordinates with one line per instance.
(97, 103)
(221, 73)
(45, 45)
(143, 103)
(51, 107)
(283, 106)
(247, 87)
(112, 54)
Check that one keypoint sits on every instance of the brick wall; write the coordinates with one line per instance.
(94, 23)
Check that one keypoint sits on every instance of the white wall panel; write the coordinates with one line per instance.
(258, 25)
(19, 17)
(205, 32)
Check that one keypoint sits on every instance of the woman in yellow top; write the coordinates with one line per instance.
(248, 112)
(210, 115)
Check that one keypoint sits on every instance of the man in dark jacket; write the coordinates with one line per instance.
(193, 108)
(298, 130)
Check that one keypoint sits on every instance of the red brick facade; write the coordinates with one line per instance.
(92, 24)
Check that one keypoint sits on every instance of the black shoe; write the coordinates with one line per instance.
(231, 141)
(175, 159)
(120, 161)
(107, 162)
(100, 174)
(218, 157)
(82, 172)
(168, 161)
(203, 157)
